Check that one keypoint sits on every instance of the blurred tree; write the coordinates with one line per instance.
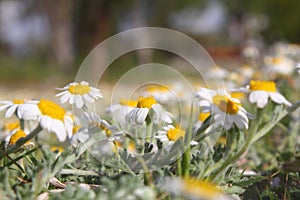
(283, 16)
(60, 15)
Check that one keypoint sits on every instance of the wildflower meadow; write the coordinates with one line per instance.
(223, 134)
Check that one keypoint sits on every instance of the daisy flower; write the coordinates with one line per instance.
(50, 116)
(216, 72)
(79, 94)
(92, 121)
(201, 118)
(261, 91)
(192, 188)
(18, 135)
(12, 132)
(12, 106)
(120, 110)
(9, 129)
(279, 65)
(148, 109)
(170, 133)
(130, 146)
(160, 93)
(224, 109)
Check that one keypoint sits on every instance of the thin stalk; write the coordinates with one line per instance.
(222, 166)
(149, 132)
(186, 157)
(253, 136)
(21, 142)
(22, 124)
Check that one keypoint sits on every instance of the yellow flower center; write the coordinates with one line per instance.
(226, 104)
(268, 86)
(11, 126)
(57, 149)
(237, 95)
(146, 102)
(79, 89)
(76, 128)
(154, 88)
(130, 103)
(203, 116)
(51, 109)
(201, 189)
(175, 133)
(104, 128)
(277, 61)
(222, 140)
(18, 101)
(16, 136)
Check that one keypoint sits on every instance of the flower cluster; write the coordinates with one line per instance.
(199, 143)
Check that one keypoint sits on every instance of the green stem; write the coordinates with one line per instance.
(22, 124)
(179, 168)
(21, 142)
(186, 157)
(149, 132)
(253, 136)
(223, 165)
(186, 162)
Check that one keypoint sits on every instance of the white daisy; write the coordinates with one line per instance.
(251, 51)
(216, 72)
(18, 134)
(279, 65)
(148, 109)
(51, 117)
(12, 106)
(8, 129)
(91, 121)
(170, 133)
(201, 118)
(261, 91)
(79, 93)
(160, 93)
(119, 111)
(12, 132)
(192, 188)
(224, 109)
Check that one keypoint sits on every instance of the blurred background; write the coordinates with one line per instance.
(43, 43)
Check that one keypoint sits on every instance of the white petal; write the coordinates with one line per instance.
(228, 122)
(28, 111)
(59, 129)
(5, 106)
(204, 93)
(72, 99)
(65, 97)
(167, 117)
(68, 125)
(88, 98)
(84, 83)
(141, 115)
(46, 122)
(259, 97)
(96, 92)
(158, 111)
(113, 108)
(279, 98)
(11, 110)
(62, 93)
(79, 101)
(204, 103)
(240, 122)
